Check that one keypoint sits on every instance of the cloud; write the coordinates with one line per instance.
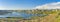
(55, 5)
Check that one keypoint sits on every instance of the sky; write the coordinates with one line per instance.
(25, 4)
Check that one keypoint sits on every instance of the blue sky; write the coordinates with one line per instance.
(23, 4)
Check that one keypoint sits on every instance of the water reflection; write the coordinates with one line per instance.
(16, 14)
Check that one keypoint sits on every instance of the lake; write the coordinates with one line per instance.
(16, 14)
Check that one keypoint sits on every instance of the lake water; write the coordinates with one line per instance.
(16, 14)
